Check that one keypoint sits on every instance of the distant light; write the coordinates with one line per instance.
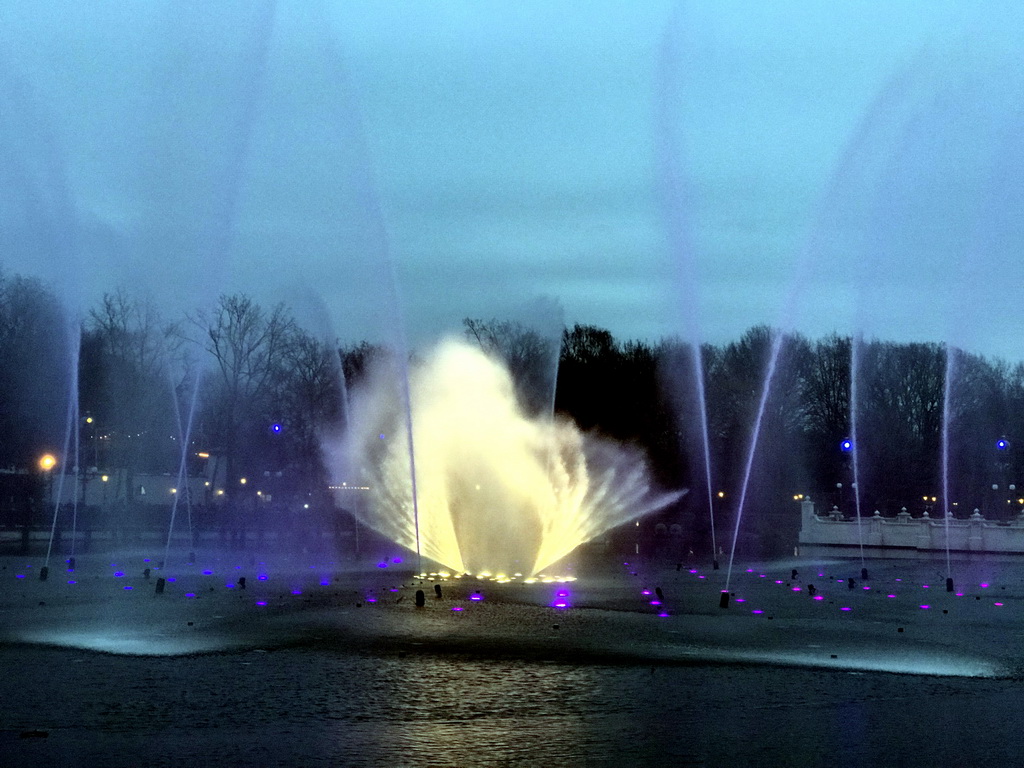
(721, 494)
(174, 490)
(203, 455)
(104, 478)
(275, 428)
(1002, 444)
(242, 480)
(88, 419)
(381, 435)
(846, 445)
(47, 462)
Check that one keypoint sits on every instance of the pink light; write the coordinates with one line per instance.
(959, 594)
(261, 602)
(844, 608)
(925, 607)
(984, 585)
(762, 575)
(924, 586)
(756, 610)
(702, 576)
(778, 581)
(890, 595)
(996, 603)
(457, 608)
(655, 602)
(663, 614)
(818, 597)
(797, 589)
(750, 570)
(741, 599)
(645, 592)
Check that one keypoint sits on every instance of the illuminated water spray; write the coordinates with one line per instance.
(496, 490)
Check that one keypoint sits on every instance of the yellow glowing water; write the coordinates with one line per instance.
(497, 491)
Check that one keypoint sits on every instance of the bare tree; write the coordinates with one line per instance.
(249, 347)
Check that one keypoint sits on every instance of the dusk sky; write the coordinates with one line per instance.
(658, 168)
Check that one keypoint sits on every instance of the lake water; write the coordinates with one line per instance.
(296, 677)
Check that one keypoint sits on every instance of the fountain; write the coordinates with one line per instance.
(497, 490)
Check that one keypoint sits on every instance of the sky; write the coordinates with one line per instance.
(658, 168)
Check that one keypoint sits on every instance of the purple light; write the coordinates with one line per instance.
(261, 602)
(924, 586)
(692, 570)
(476, 596)
(645, 592)
(171, 578)
(396, 560)
(118, 574)
(325, 583)
(818, 597)
(925, 607)
(750, 570)
(741, 599)
(959, 594)
(229, 586)
(382, 564)
(778, 581)
(371, 599)
(899, 579)
(663, 614)
(207, 572)
(296, 591)
(190, 594)
(702, 576)
(890, 595)
(762, 575)
(845, 608)
(72, 581)
(984, 585)
(797, 589)
(145, 560)
(393, 589)
(19, 576)
(757, 610)
(655, 602)
(866, 589)
(457, 608)
(560, 604)
(996, 603)
(129, 587)
(262, 577)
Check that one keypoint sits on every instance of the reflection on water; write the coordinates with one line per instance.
(312, 707)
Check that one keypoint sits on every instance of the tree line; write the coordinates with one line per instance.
(245, 384)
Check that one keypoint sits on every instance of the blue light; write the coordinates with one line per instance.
(846, 445)
(276, 428)
(1002, 444)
